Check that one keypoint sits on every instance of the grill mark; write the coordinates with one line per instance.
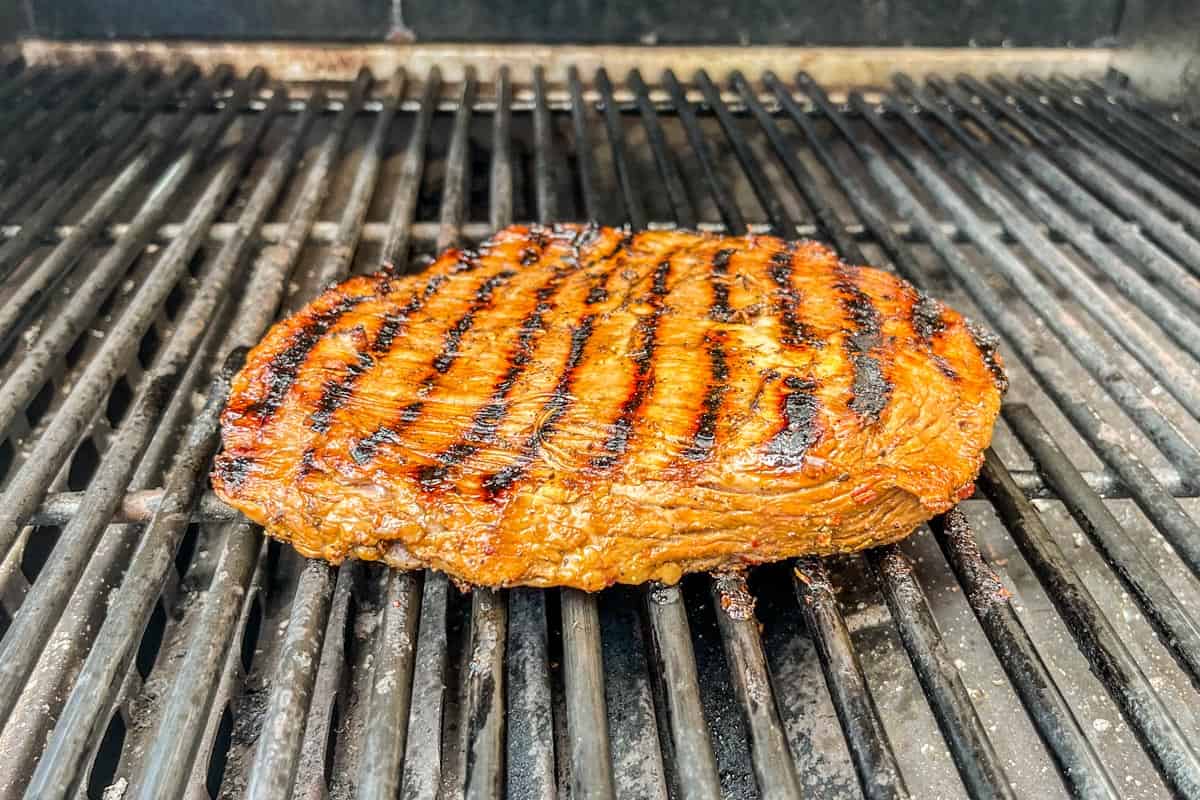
(928, 322)
(719, 310)
(800, 410)
(705, 430)
(487, 419)
(336, 392)
(795, 332)
(552, 411)
(927, 319)
(599, 292)
(988, 346)
(232, 470)
(621, 429)
(704, 438)
(870, 390)
(307, 461)
(366, 448)
(285, 365)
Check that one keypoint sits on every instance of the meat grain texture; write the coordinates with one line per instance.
(581, 406)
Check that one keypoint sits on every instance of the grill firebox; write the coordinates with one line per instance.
(1040, 641)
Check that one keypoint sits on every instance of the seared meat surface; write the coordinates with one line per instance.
(579, 406)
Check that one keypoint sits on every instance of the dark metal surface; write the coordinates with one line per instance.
(899, 22)
(1040, 643)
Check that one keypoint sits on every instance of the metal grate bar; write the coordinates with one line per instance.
(399, 237)
(1146, 147)
(774, 767)
(583, 149)
(878, 775)
(105, 368)
(583, 674)
(277, 755)
(36, 288)
(695, 764)
(385, 733)
(1101, 168)
(100, 160)
(635, 211)
(70, 140)
(681, 206)
(1106, 653)
(977, 762)
(139, 505)
(176, 742)
(1175, 627)
(1080, 766)
(83, 716)
(33, 139)
(1170, 274)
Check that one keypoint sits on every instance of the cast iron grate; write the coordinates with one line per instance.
(1040, 641)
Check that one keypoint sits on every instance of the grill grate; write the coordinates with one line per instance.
(1040, 641)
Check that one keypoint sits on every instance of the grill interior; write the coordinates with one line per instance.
(1039, 642)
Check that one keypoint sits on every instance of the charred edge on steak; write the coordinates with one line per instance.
(488, 418)
(335, 393)
(705, 435)
(232, 470)
(366, 448)
(988, 346)
(870, 390)
(285, 365)
(720, 311)
(621, 429)
(928, 322)
(499, 482)
(799, 409)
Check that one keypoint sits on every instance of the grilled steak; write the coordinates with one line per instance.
(579, 406)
